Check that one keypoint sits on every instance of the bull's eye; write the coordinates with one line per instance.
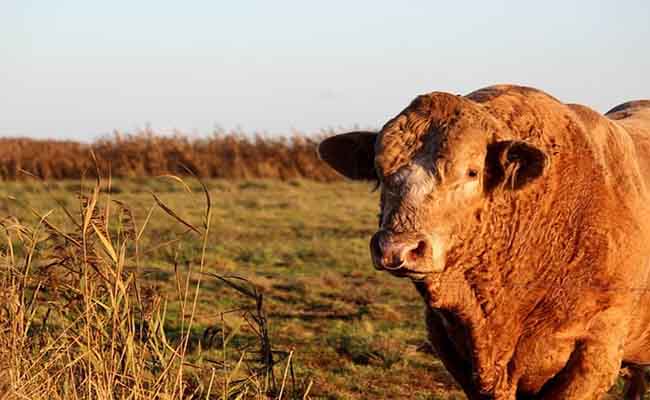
(472, 173)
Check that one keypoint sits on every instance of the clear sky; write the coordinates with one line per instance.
(81, 68)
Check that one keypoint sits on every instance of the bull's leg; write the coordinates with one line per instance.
(590, 372)
(592, 368)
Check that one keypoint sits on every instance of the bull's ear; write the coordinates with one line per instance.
(513, 164)
(351, 154)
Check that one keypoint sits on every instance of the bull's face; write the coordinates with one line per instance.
(439, 163)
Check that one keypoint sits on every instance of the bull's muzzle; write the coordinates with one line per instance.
(400, 253)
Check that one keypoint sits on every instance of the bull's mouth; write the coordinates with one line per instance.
(404, 271)
(413, 275)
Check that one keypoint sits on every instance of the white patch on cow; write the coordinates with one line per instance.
(419, 183)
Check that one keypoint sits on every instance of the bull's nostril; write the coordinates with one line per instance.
(418, 252)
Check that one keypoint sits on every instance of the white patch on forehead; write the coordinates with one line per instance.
(417, 182)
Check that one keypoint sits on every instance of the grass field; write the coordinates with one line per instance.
(337, 328)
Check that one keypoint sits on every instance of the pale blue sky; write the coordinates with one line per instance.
(81, 68)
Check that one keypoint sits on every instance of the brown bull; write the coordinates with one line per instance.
(524, 223)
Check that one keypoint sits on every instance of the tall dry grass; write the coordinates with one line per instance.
(77, 322)
(231, 155)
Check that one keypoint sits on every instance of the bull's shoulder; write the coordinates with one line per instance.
(619, 149)
(589, 117)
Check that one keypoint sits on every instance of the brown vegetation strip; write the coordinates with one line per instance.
(229, 156)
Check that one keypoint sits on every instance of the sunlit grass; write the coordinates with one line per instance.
(81, 320)
(131, 316)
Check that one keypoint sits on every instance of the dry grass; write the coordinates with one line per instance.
(78, 322)
(353, 333)
(232, 155)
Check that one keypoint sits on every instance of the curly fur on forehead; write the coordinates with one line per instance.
(440, 114)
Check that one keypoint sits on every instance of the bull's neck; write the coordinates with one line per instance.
(498, 271)
(495, 258)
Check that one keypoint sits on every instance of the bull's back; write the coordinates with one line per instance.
(634, 116)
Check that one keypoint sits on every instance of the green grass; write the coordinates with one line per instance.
(356, 333)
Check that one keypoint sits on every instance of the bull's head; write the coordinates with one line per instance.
(439, 164)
